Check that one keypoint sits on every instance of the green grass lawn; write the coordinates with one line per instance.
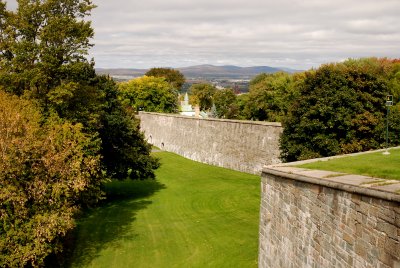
(373, 164)
(193, 215)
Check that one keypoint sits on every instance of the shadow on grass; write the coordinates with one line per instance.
(110, 224)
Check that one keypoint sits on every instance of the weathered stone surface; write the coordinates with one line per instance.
(240, 145)
(316, 223)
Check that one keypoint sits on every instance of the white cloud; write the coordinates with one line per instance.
(290, 33)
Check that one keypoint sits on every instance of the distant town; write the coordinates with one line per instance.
(227, 76)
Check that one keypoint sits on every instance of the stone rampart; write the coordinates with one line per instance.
(312, 218)
(240, 145)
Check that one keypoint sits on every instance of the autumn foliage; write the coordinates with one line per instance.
(63, 130)
(46, 173)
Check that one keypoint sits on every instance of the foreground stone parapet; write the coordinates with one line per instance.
(312, 218)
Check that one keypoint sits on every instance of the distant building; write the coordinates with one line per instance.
(186, 108)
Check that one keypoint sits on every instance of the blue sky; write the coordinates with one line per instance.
(287, 33)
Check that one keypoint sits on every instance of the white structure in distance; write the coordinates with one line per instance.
(186, 109)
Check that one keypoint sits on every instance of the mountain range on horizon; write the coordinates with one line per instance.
(205, 71)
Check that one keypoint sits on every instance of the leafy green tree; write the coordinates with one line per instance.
(340, 109)
(270, 96)
(45, 41)
(241, 102)
(57, 154)
(394, 125)
(5, 31)
(46, 172)
(172, 76)
(125, 152)
(202, 95)
(45, 60)
(151, 94)
(225, 103)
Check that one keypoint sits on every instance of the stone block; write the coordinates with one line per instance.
(397, 220)
(385, 258)
(356, 198)
(361, 249)
(364, 208)
(348, 238)
(359, 229)
(396, 208)
(314, 188)
(350, 261)
(389, 229)
(392, 247)
(359, 216)
(387, 216)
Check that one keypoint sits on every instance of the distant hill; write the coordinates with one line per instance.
(227, 71)
(122, 74)
(207, 72)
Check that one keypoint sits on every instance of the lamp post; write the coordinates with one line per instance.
(389, 102)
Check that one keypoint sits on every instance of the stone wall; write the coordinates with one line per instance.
(314, 218)
(240, 145)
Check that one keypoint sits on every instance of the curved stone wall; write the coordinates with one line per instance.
(240, 145)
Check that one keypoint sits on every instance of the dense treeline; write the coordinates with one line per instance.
(63, 129)
(335, 109)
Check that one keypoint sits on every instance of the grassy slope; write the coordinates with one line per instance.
(194, 215)
(374, 164)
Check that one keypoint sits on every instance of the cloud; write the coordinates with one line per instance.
(290, 33)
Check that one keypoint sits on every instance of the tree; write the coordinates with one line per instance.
(4, 31)
(241, 102)
(151, 94)
(202, 95)
(270, 96)
(126, 154)
(46, 173)
(44, 60)
(340, 110)
(45, 41)
(172, 76)
(66, 138)
(225, 103)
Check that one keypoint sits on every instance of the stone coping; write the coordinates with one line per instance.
(374, 187)
(263, 123)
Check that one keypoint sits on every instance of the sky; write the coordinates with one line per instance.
(298, 34)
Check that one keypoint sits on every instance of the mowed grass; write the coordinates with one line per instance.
(193, 215)
(373, 164)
